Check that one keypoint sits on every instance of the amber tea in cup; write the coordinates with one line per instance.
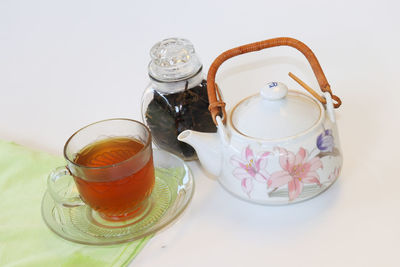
(112, 165)
(115, 196)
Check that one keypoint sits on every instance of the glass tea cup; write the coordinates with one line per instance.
(111, 163)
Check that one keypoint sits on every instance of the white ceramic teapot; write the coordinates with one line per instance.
(278, 146)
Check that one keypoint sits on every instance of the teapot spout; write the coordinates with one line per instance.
(208, 148)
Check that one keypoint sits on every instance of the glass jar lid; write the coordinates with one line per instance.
(276, 113)
(173, 60)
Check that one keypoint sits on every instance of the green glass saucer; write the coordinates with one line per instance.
(172, 192)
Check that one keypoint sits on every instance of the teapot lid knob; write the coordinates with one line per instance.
(274, 91)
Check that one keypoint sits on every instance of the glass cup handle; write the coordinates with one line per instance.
(62, 188)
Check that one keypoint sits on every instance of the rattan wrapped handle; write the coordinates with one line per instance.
(216, 103)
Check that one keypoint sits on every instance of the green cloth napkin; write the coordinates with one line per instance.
(25, 239)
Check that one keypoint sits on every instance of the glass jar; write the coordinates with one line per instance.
(176, 98)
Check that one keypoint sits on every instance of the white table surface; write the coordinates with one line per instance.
(64, 64)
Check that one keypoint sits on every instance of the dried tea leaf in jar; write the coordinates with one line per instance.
(176, 99)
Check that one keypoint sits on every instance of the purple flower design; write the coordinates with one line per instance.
(325, 141)
(250, 167)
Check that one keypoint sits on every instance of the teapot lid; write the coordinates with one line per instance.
(275, 113)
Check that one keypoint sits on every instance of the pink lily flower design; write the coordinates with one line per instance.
(334, 174)
(296, 171)
(250, 167)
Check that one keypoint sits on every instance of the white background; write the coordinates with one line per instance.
(64, 64)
